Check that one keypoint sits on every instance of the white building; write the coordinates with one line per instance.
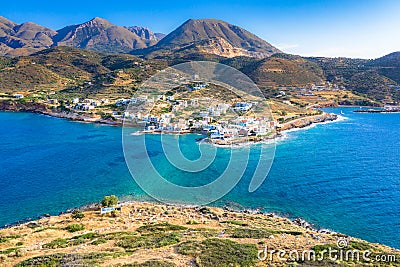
(242, 106)
(204, 113)
(122, 102)
(18, 96)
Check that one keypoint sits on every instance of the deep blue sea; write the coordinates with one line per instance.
(343, 176)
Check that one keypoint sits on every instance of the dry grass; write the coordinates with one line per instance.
(145, 233)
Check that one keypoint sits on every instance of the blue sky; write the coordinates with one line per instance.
(352, 28)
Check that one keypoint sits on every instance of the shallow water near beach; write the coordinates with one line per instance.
(343, 176)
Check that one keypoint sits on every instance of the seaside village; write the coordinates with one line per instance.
(220, 119)
(223, 122)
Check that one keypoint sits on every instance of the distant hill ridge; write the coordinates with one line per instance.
(97, 35)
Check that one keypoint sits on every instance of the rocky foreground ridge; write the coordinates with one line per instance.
(144, 234)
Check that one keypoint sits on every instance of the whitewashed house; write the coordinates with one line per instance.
(18, 96)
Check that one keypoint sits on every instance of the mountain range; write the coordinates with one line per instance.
(194, 37)
(209, 36)
(97, 35)
(38, 56)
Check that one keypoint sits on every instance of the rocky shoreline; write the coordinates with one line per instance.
(306, 121)
(40, 108)
(149, 234)
(96, 206)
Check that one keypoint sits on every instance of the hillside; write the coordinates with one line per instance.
(388, 66)
(375, 78)
(69, 70)
(6, 26)
(284, 70)
(23, 39)
(144, 234)
(74, 70)
(209, 36)
(97, 34)
(204, 39)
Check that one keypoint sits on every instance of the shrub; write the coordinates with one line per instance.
(74, 241)
(3, 258)
(74, 228)
(114, 214)
(240, 223)
(6, 238)
(89, 236)
(99, 241)
(61, 259)
(149, 241)
(218, 252)
(151, 263)
(160, 227)
(57, 243)
(109, 201)
(8, 250)
(250, 233)
(77, 214)
(21, 252)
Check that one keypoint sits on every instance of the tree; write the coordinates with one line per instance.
(109, 201)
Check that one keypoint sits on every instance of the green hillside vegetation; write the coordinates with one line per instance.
(72, 72)
(362, 76)
(388, 66)
(284, 70)
(22, 75)
(45, 62)
(69, 70)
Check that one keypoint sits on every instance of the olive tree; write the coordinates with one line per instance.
(109, 201)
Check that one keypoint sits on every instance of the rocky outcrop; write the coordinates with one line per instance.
(306, 121)
(9, 105)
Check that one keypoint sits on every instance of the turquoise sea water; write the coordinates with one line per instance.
(343, 175)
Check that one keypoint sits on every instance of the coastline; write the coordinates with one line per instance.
(39, 108)
(292, 130)
(231, 207)
(338, 119)
(42, 109)
(298, 124)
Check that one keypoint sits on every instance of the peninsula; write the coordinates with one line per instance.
(144, 234)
